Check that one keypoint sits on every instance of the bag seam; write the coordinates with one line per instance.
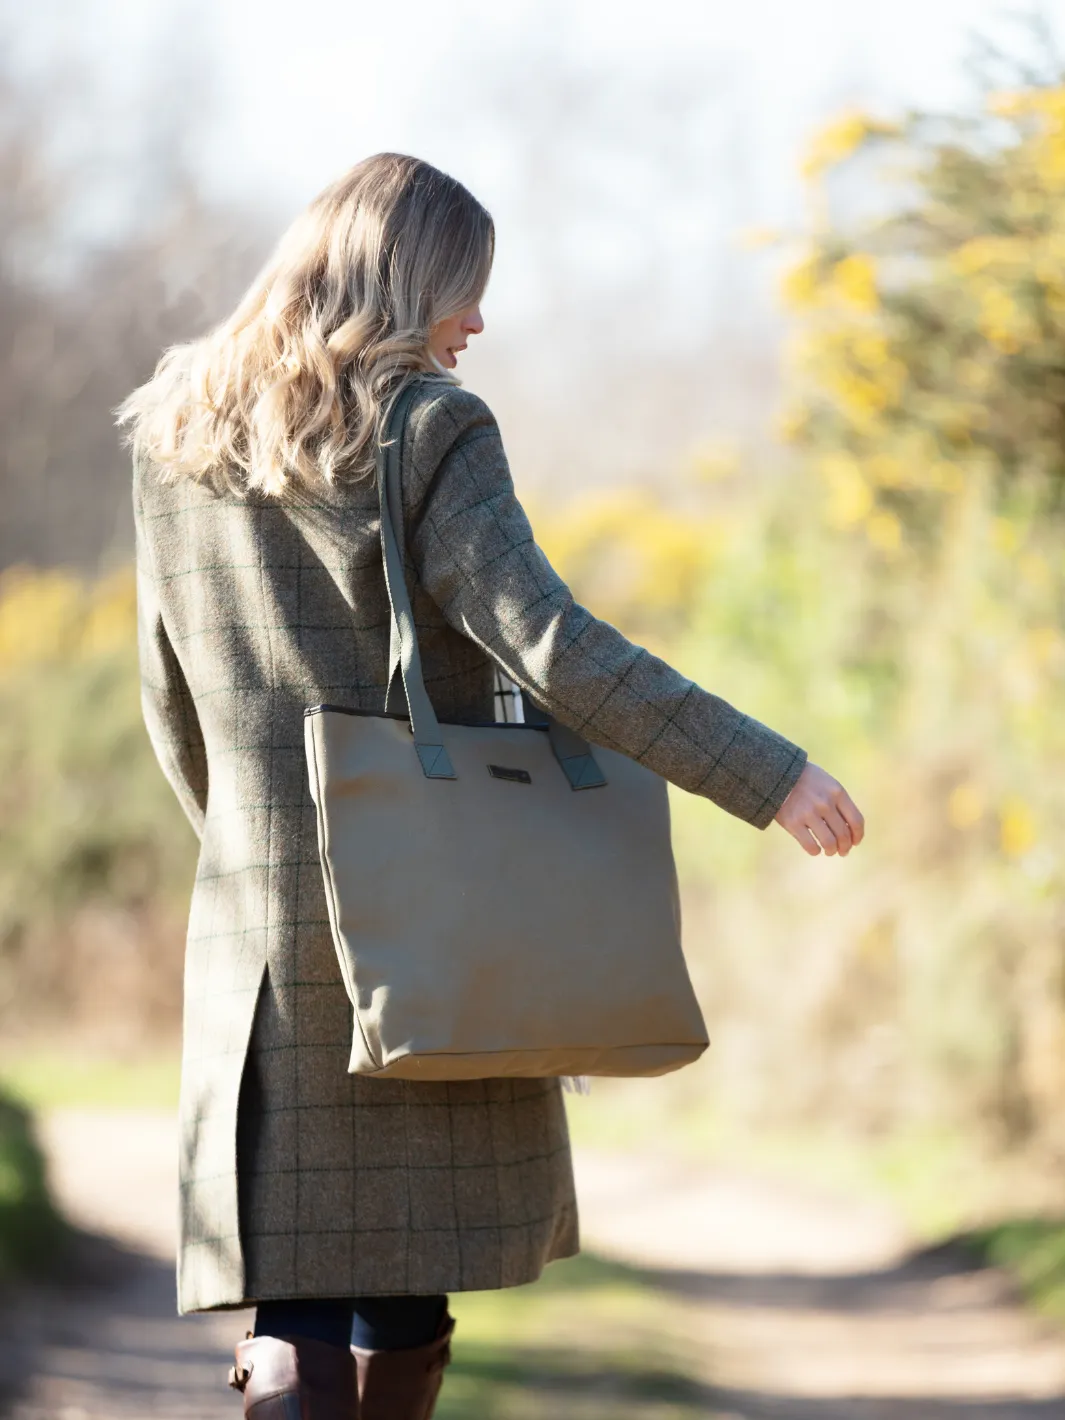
(333, 902)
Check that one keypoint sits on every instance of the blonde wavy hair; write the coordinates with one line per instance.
(296, 384)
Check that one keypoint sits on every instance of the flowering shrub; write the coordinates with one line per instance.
(894, 602)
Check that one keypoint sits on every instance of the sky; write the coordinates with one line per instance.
(302, 91)
(785, 66)
(623, 149)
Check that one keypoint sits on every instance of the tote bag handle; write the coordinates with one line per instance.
(570, 749)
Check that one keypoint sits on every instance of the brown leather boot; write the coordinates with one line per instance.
(403, 1385)
(295, 1378)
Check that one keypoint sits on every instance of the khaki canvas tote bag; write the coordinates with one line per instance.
(503, 900)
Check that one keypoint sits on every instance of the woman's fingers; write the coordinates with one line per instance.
(838, 832)
(853, 814)
(820, 814)
(803, 836)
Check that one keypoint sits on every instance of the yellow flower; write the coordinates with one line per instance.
(40, 616)
(1048, 262)
(1050, 105)
(855, 280)
(860, 373)
(884, 530)
(1016, 827)
(861, 397)
(1045, 147)
(871, 350)
(1001, 320)
(975, 256)
(965, 807)
(850, 499)
(1004, 535)
(52, 615)
(1050, 160)
(888, 471)
(645, 559)
(840, 138)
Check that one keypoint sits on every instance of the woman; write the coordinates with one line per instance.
(345, 1208)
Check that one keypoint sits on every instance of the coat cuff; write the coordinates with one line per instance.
(794, 764)
(754, 772)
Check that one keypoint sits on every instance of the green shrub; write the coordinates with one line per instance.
(31, 1231)
(1033, 1250)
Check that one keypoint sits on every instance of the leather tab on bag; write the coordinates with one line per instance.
(575, 757)
(435, 762)
(582, 772)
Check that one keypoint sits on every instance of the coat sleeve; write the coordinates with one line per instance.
(166, 701)
(475, 555)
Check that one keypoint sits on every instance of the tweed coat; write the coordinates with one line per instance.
(296, 1178)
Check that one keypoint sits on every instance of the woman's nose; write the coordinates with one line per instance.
(474, 322)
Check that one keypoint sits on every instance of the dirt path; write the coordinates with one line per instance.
(808, 1307)
(817, 1308)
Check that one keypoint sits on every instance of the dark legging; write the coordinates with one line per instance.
(375, 1323)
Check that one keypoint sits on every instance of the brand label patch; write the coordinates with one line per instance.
(516, 776)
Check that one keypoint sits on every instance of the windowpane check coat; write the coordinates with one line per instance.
(296, 1178)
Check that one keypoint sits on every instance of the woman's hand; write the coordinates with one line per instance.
(819, 811)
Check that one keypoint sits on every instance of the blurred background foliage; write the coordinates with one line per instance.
(888, 592)
(95, 866)
(893, 600)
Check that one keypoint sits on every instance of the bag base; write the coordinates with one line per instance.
(629, 1061)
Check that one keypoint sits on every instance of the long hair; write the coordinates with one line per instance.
(294, 386)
